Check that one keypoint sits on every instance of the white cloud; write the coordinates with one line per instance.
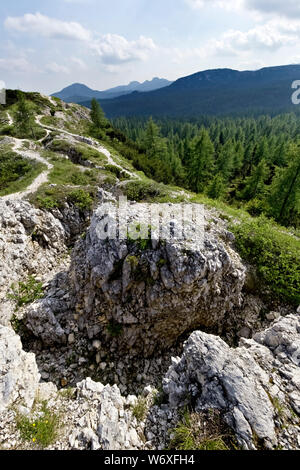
(270, 36)
(48, 27)
(287, 8)
(53, 67)
(18, 64)
(227, 4)
(79, 62)
(242, 45)
(114, 49)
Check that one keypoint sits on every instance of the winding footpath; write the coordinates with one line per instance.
(34, 155)
(91, 143)
(39, 180)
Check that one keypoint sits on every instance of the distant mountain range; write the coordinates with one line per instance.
(78, 92)
(213, 92)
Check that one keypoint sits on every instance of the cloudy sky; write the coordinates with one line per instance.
(46, 46)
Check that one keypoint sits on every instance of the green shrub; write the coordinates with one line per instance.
(81, 199)
(274, 252)
(16, 173)
(197, 432)
(41, 431)
(114, 169)
(16, 324)
(46, 202)
(50, 197)
(77, 153)
(58, 100)
(50, 121)
(26, 292)
(139, 410)
(66, 173)
(60, 145)
(144, 190)
(89, 153)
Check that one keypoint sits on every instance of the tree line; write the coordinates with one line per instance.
(249, 162)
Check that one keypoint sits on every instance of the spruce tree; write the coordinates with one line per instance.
(201, 167)
(285, 190)
(255, 183)
(23, 116)
(217, 188)
(97, 115)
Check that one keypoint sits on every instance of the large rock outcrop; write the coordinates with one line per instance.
(19, 375)
(31, 243)
(141, 296)
(252, 384)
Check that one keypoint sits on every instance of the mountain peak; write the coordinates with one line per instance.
(78, 92)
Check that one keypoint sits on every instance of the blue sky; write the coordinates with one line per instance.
(46, 46)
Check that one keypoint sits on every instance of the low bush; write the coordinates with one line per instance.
(41, 431)
(144, 190)
(205, 431)
(27, 292)
(81, 199)
(139, 410)
(274, 252)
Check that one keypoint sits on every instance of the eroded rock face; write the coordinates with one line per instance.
(110, 425)
(142, 297)
(250, 384)
(43, 317)
(19, 375)
(31, 242)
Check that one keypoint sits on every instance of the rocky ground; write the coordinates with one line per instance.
(127, 344)
(255, 387)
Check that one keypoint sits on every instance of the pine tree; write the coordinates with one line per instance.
(201, 166)
(285, 190)
(23, 116)
(152, 135)
(217, 188)
(97, 115)
(225, 160)
(255, 183)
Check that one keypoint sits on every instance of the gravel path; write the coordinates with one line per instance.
(33, 155)
(39, 180)
(93, 144)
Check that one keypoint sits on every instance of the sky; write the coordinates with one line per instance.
(47, 45)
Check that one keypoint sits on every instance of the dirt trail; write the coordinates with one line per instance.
(39, 180)
(34, 155)
(93, 144)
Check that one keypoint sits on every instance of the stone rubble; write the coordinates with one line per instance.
(249, 384)
(102, 319)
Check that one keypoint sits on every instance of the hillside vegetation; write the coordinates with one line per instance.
(247, 169)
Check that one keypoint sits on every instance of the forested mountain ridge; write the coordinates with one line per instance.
(251, 163)
(213, 92)
(78, 92)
